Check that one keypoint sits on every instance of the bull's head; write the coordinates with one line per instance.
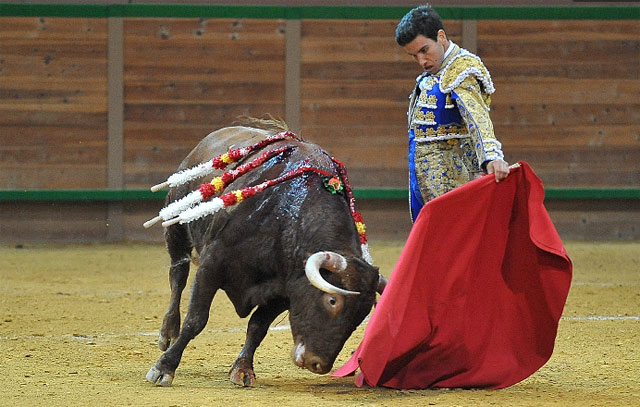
(324, 316)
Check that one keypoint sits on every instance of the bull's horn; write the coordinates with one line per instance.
(330, 261)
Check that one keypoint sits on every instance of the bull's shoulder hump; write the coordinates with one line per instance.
(222, 140)
(232, 137)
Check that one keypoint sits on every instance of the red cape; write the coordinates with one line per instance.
(475, 298)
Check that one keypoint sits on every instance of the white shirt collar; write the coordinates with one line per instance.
(449, 50)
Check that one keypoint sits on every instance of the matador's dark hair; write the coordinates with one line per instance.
(420, 20)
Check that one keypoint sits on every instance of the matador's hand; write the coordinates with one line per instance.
(499, 168)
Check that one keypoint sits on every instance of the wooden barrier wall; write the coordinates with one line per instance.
(568, 97)
(567, 100)
(184, 78)
(53, 103)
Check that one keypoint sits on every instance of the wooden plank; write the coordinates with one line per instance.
(547, 91)
(203, 114)
(33, 136)
(335, 72)
(568, 138)
(54, 94)
(180, 91)
(17, 28)
(387, 92)
(559, 113)
(381, 137)
(57, 176)
(352, 115)
(93, 121)
(583, 168)
(562, 30)
(52, 155)
(530, 68)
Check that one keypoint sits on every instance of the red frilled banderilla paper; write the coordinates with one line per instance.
(476, 296)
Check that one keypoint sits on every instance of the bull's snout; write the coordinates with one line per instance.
(308, 360)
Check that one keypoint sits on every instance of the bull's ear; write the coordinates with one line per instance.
(364, 265)
(382, 283)
(367, 270)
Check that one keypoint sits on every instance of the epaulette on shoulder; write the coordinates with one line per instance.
(462, 66)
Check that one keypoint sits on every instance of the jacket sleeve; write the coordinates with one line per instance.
(473, 105)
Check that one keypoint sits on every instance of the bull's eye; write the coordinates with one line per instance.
(333, 303)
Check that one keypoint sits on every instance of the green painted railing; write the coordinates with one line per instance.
(316, 12)
(363, 193)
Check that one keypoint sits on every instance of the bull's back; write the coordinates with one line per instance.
(221, 141)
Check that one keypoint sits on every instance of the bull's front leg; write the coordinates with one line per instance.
(204, 288)
(241, 372)
(179, 247)
(178, 274)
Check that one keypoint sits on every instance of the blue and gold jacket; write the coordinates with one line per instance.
(454, 104)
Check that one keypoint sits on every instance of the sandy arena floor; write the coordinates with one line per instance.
(78, 326)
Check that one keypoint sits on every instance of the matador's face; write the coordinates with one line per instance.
(427, 52)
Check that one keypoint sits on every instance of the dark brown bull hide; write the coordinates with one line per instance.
(256, 252)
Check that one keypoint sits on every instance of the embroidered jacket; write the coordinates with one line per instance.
(454, 104)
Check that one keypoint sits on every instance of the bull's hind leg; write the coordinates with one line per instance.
(179, 247)
(204, 288)
(241, 372)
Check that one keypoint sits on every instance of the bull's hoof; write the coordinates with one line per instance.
(243, 377)
(155, 376)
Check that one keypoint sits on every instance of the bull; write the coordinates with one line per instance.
(293, 245)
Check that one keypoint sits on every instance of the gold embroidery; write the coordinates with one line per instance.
(463, 68)
(421, 132)
(428, 100)
(423, 116)
(447, 131)
(475, 112)
(469, 155)
(439, 170)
